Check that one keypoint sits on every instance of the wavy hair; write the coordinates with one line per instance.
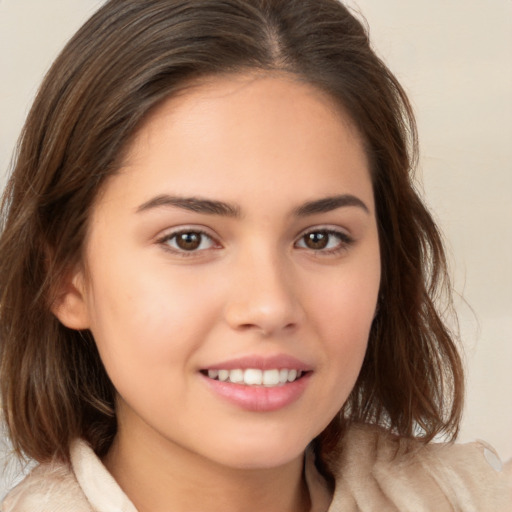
(129, 57)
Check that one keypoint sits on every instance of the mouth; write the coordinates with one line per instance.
(255, 377)
(259, 383)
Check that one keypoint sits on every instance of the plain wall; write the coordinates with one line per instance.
(455, 61)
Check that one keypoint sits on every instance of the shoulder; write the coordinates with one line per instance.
(50, 487)
(373, 466)
(84, 485)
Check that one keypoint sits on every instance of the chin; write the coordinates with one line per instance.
(263, 452)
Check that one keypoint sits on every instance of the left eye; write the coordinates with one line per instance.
(189, 241)
(323, 240)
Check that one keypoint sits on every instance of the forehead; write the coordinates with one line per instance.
(227, 135)
(227, 101)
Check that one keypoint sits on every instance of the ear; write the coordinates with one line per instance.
(70, 305)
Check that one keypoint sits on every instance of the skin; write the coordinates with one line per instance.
(266, 144)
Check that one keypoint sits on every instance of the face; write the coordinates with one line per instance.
(232, 270)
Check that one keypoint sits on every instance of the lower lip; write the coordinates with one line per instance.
(259, 398)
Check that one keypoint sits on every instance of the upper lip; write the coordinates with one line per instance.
(279, 361)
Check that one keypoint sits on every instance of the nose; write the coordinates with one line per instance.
(263, 296)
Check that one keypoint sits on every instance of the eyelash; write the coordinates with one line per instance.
(164, 241)
(345, 241)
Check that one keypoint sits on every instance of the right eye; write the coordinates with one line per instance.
(188, 241)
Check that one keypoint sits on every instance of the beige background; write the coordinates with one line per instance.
(455, 60)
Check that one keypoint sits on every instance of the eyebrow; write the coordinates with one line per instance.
(212, 207)
(193, 204)
(328, 204)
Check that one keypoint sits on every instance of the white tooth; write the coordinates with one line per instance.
(236, 376)
(299, 374)
(292, 375)
(253, 377)
(283, 375)
(213, 374)
(223, 375)
(271, 377)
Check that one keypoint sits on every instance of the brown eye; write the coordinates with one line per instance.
(188, 241)
(325, 241)
(317, 240)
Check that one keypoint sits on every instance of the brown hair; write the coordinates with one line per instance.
(125, 60)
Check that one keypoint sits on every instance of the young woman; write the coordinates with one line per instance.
(217, 283)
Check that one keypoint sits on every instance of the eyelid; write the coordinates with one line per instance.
(330, 228)
(170, 233)
(346, 240)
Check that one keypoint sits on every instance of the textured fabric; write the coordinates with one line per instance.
(380, 473)
(375, 472)
(48, 488)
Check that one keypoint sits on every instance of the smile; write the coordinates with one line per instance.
(256, 377)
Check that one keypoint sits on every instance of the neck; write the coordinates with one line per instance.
(158, 475)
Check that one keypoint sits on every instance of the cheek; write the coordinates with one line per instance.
(345, 330)
(345, 301)
(343, 308)
(152, 319)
